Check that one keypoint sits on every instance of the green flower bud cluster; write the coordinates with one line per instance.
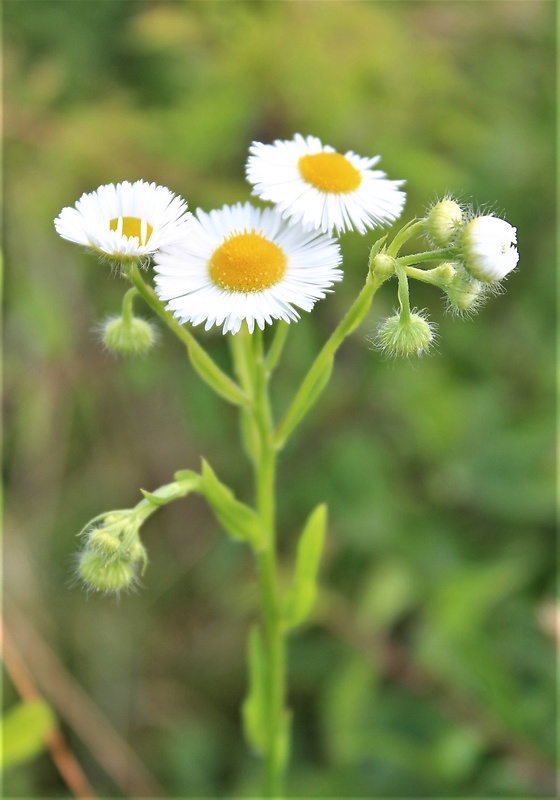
(113, 555)
(483, 244)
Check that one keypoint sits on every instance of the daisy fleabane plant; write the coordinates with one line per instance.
(251, 271)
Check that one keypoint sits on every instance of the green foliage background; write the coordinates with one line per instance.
(429, 667)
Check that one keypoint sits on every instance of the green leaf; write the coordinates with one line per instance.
(211, 374)
(24, 729)
(301, 598)
(254, 705)
(240, 521)
(312, 386)
(185, 481)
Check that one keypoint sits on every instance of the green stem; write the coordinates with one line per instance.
(429, 255)
(204, 365)
(252, 370)
(127, 311)
(316, 378)
(406, 233)
(402, 292)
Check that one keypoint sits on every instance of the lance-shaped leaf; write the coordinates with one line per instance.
(24, 730)
(307, 395)
(185, 481)
(301, 597)
(240, 521)
(209, 371)
(254, 706)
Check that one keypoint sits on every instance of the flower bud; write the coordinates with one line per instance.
(406, 335)
(488, 248)
(443, 222)
(133, 336)
(464, 293)
(103, 542)
(106, 574)
(382, 265)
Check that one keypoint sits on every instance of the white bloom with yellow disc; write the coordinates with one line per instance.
(322, 189)
(243, 263)
(126, 221)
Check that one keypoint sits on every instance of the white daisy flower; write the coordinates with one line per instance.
(243, 263)
(129, 221)
(322, 189)
(488, 248)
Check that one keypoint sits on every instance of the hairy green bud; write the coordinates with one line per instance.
(132, 337)
(106, 575)
(443, 222)
(406, 335)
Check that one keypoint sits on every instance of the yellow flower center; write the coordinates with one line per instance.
(329, 172)
(247, 262)
(132, 226)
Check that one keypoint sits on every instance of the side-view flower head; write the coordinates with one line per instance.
(313, 184)
(243, 263)
(126, 221)
(489, 250)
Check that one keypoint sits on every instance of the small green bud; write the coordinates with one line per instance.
(446, 272)
(443, 222)
(464, 293)
(105, 574)
(133, 336)
(382, 265)
(103, 542)
(406, 335)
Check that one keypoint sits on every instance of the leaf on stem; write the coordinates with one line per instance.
(311, 388)
(211, 374)
(240, 521)
(185, 481)
(301, 597)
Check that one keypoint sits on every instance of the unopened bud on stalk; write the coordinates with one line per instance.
(406, 335)
(133, 336)
(465, 293)
(488, 248)
(382, 265)
(106, 575)
(443, 222)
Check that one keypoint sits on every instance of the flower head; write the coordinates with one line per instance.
(444, 221)
(126, 222)
(406, 334)
(129, 336)
(312, 184)
(488, 248)
(243, 263)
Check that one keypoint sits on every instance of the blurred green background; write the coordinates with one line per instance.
(428, 668)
